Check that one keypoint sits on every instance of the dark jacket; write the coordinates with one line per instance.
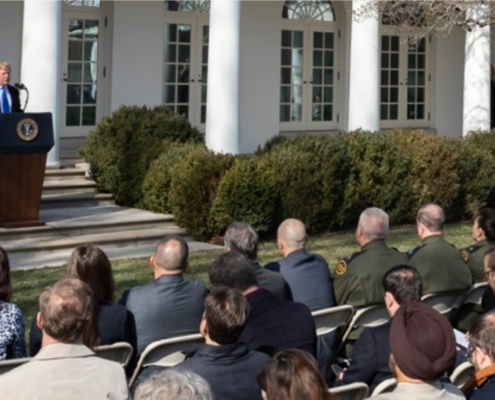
(14, 96)
(272, 281)
(275, 324)
(485, 391)
(308, 277)
(230, 370)
(369, 361)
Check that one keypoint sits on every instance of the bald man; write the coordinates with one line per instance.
(171, 305)
(439, 263)
(307, 274)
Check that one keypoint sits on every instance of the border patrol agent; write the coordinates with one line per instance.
(439, 263)
(358, 278)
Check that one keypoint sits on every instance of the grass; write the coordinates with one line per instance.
(27, 285)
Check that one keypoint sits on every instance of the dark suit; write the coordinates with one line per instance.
(275, 324)
(170, 306)
(272, 281)
(485, 391)
(14, 97)
(230, 370)
(308, 277)
(369, 361)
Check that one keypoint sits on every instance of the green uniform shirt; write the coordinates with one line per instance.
(440, 265)
(358, 278)
(473, 256)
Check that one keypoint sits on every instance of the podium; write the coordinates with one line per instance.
(25, 140)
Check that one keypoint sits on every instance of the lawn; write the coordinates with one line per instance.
(27, 285)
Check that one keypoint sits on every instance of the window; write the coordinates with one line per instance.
(202, 6)
(308, 10)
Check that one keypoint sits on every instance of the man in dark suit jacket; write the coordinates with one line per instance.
(273, 323)
(228, 366)
(13, 94)
(308, 275)
(170, 306)
(243, 238)
(371, 352)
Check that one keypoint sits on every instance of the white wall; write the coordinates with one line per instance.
(11, 35)
(448, 83)
(137, 53)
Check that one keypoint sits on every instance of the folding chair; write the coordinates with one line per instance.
(166, 352)
(462, 374)
(367, 317)
(446, 302)
(475, 293)
(353, 391)
(329, 319)
(388, 385)
(120, 352)
(8, 365)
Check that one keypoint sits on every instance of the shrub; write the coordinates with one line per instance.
(194, 186)
(123, 145)
(246, 193)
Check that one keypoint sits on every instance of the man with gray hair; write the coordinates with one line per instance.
(358, 278)
(439, 263)
(242, 238)
(172, 384)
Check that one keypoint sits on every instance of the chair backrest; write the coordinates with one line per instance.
(329, 319)
(475, 293)
(462, 374)
(120, 352)
(386, 386)
(367, 317)
(444, 302)
(353, 391)
(9, 365)
(166, 352)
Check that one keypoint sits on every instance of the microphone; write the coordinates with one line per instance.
(21, 86)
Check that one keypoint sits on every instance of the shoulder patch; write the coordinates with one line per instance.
(412, 252)
(465, 255)
(341, 267)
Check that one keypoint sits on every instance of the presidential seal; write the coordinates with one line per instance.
(27, 129)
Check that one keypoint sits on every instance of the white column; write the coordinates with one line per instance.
(364, 90)
(222, 118)
(476, 107)
(40, 70)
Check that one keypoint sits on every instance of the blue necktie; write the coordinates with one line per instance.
(5, 101)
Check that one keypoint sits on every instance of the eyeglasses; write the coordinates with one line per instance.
(470, 353)
(487, 274)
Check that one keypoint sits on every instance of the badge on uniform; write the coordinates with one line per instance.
(341, 268)
(465, 255)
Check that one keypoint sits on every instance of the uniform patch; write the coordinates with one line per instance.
(341, 268)
(465, 255)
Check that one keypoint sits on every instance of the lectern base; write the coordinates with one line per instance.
(17, 224)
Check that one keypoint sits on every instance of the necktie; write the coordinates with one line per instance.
(5, 101)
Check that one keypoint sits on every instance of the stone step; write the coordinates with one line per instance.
(71, 200)
(69, 186)
(64, 174)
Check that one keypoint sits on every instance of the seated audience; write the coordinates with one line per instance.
(12, 342)
(488, 300)
(484, 236)
(440, 264)
(228, 366)
(308, 275)
(273, 323)
(65, 368)
(482, 353)
(171, 305)
(114, 323)
(293, 375)
(423, 348)
(174, 385)
(242, 238)
(358, 278)
(371, 352)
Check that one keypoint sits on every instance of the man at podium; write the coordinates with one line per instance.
(9, 95)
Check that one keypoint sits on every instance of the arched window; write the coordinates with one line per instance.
(83, 3)
(188, 6)
(308, 10)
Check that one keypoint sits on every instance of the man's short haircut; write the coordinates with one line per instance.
(432, 217)
(404, 283)
(171, 253)
(66, 308)
(374, 222)
(482, 334)
(5, 66)
(293, 233)
(174, 384)
(226, 313)
(486, 221)
(243, 238)
(234, 271)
